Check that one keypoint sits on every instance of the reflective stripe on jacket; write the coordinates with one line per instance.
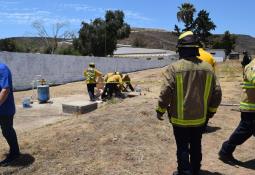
(247, 103)
(91, 74)
(191, 89)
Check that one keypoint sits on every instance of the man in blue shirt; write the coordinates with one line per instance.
(7, 111)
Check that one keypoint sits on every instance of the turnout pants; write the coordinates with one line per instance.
(189, 154)
(244, 131)
(9, 134)
(109, 89)
(91, 89)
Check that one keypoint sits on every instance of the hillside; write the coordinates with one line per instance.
(141, 37)
(29, 44)
(157, 39)
(161, 39)
(245, 42)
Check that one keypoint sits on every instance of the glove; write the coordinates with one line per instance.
(210, 114)
(160, 115)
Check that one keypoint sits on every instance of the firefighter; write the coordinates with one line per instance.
(191, 93)
(206, 56)
(246, 127)
(108, 75)
(112, 86)
(126, 83)
(91, 74)
(246, 59)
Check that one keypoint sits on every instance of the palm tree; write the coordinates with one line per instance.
(203, 25)
(185, 14)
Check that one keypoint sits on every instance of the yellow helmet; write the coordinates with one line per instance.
(187, 39)
(91, 64)
(206, 56)
(118, 73)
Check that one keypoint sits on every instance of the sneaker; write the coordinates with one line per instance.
(9, 159)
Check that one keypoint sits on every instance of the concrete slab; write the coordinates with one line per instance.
(79, 107)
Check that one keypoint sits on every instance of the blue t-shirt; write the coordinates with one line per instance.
(8, 107)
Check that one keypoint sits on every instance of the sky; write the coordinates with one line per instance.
(17, 16)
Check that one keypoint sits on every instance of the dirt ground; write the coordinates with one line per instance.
(121, 137)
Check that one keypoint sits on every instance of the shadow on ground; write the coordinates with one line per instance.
(23, 161)
(250, 164)
(211, 129)
(205, 172)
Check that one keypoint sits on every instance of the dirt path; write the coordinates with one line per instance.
(123, 137)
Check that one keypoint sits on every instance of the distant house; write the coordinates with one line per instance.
(123, 45)
(131, 52)
(234, 56)
(218, 54)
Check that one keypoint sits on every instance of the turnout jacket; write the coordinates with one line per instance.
(190, 90)
(247, 103)
(114, 79)
(91, 74)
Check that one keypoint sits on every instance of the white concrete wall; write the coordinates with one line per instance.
(59, 69)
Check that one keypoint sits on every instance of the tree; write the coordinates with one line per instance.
(99, 37)
(8, 44)
(139, 42)
(203, 25)
(51, 40)
(115, 29)
(227, 43)
(177, 30)
(185, 15)
(92, 38)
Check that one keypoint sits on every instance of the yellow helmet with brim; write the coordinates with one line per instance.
(188, 39)
(91, 64)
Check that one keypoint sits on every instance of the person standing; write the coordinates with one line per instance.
(246, 59)
(127, 83)
(91, 74)
(246, 127)
(7, 111)
(190, 93)
(206, 56)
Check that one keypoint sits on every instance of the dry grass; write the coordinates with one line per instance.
(124, 137)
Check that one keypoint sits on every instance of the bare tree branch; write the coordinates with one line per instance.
(56, 33)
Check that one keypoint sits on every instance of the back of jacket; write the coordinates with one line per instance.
(114, 79)
(247, 103)
(91, 74)
(191, 89)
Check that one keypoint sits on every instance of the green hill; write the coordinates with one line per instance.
(160, 39)
(139, 37)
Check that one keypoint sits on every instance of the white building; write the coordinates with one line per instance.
(218, 54)
(131, 52)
